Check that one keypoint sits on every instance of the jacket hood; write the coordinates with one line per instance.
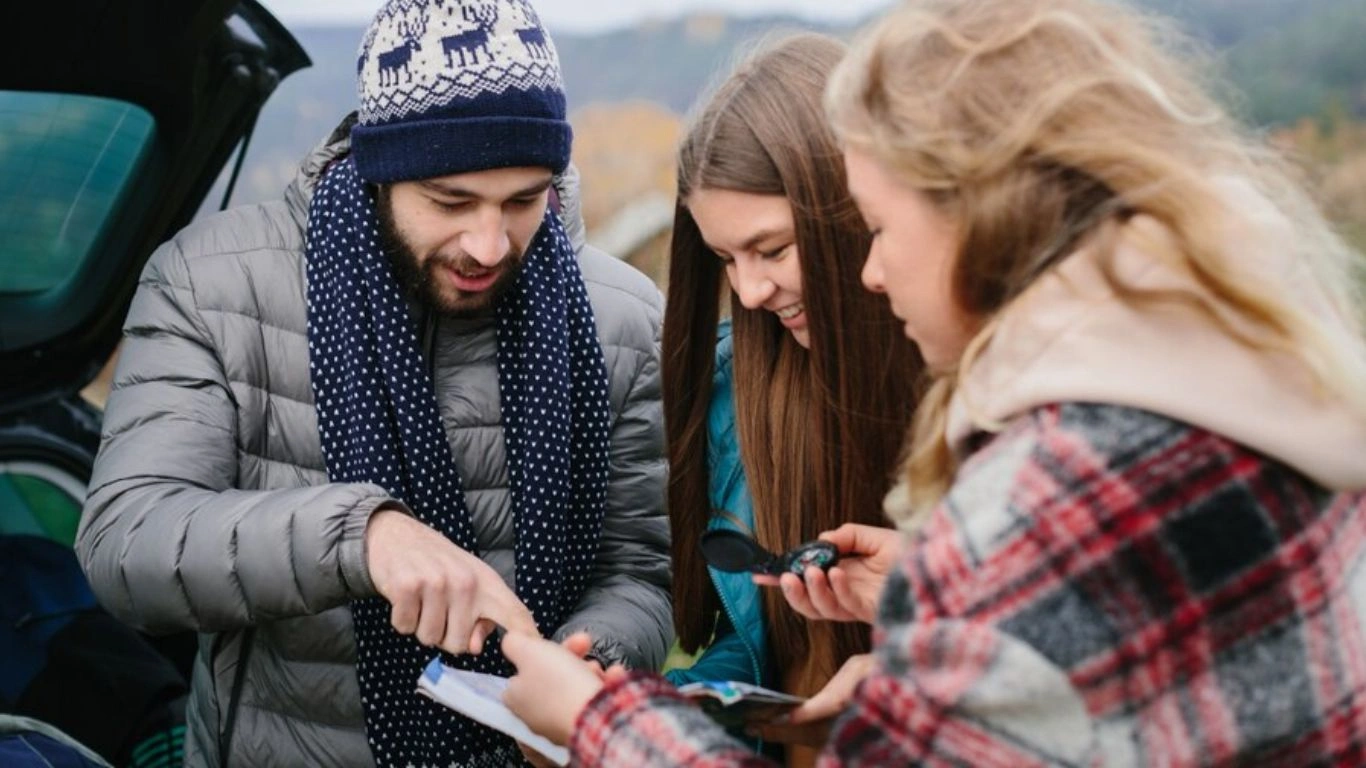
(338, 144)
(1069, 338)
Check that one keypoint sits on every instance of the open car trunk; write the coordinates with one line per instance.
(116, 117)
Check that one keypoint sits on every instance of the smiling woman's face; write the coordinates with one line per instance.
(755, 237)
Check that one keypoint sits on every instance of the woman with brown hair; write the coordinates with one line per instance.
(791, 424)
(1137, 485)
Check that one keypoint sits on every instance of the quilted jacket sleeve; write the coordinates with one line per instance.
(626, 608)
(165, 540)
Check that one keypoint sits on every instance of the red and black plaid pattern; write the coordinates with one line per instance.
(1102, 586)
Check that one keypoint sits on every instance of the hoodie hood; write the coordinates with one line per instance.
(1070, 338)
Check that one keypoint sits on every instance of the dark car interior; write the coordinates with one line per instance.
(111, 135)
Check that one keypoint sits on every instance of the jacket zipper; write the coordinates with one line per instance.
(758, 744)
(735, 626)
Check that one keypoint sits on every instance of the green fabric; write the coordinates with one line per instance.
(35, 507)
(160, 750)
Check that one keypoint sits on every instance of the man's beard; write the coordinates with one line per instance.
(420, 280)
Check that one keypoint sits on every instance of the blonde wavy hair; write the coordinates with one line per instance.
(1037, 124)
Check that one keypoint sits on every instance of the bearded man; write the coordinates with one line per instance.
(399, 408)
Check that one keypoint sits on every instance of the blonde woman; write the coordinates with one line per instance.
(1137, 485)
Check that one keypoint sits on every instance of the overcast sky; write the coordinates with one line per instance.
(588, 15)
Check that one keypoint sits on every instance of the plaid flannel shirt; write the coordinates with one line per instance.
(1101, 586)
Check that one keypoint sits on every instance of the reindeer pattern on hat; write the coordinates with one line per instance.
(424, 53)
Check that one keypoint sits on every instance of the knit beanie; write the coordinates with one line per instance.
(454, 86)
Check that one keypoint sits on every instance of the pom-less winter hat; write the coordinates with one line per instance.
(453, 86)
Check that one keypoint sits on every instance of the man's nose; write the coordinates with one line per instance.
(486, 241)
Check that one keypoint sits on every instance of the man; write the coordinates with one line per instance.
(400, 407)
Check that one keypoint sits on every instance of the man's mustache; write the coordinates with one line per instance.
(468, 264)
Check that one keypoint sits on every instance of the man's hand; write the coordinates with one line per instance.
(850, 590)
(444, 595)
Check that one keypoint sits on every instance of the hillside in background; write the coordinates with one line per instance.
(665, 63)
(1296, 67)
(1313, 64)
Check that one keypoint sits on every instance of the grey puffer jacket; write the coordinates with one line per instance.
(210, 507)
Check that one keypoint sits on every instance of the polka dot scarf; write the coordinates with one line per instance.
(379, 422)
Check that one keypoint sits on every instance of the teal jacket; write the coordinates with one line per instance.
(740, 649)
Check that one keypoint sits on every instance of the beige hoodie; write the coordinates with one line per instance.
(1068, 338)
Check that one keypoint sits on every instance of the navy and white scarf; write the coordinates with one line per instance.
(379, 423)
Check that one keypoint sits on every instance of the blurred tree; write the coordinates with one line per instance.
(626, 155)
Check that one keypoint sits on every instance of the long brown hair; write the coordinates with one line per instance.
(819, 429)
(1036, 123)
